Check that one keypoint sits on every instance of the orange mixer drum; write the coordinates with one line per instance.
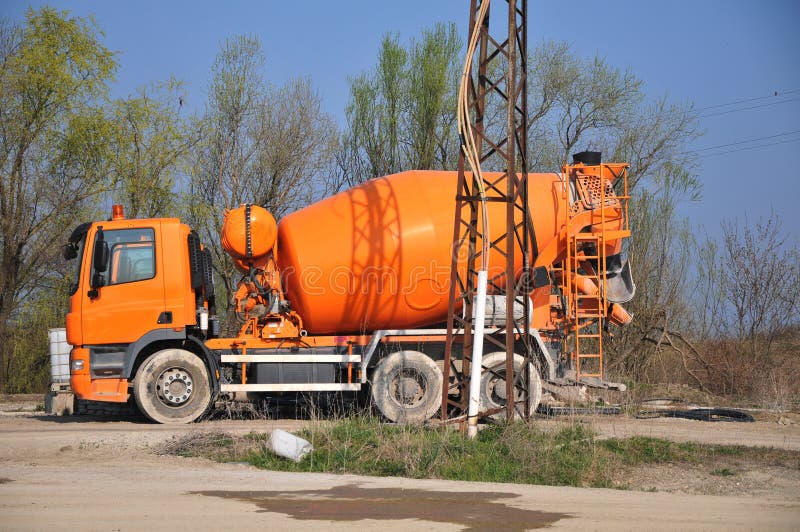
(378, 256)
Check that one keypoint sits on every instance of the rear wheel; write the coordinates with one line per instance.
(407, 387)
(172, 386)
(493, 383)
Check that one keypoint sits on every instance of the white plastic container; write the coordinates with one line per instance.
(59, 355)
(289, 446)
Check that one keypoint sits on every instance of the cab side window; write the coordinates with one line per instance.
(132, 255)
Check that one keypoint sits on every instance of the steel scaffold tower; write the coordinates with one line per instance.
(498, 76)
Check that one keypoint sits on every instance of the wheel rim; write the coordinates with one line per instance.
(174, 387)
(408, 387)
(496, 387)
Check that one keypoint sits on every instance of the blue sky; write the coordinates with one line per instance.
(707, 52)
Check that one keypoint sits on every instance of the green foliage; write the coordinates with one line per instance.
(400, 117)
(431, 98)
(53, 165)
(28, 367)
(515, 453)
(58, 64)
(401, 114)
(64, 147)
(236, 82)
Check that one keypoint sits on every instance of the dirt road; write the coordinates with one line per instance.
(104, 475)
(759, 434)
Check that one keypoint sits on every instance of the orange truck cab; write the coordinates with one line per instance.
(348, 294)
(140, 286)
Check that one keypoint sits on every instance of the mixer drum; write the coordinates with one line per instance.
(378, 256)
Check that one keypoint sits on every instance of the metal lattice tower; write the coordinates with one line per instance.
(497, 78)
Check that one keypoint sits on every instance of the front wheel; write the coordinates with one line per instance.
(172, 386)
(407, 387)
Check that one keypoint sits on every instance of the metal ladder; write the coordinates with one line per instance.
(587, 319)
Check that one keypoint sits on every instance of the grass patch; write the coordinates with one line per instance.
(643, 450)
(723, 472)
(515, 453)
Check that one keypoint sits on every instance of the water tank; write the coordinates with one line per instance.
(59, 355)
(248, 235)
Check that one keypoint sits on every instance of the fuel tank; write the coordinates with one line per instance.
(378, 256)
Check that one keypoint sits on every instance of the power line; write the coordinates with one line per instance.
(743, 142)
(776, 94)
(750, 147)
(748, 108)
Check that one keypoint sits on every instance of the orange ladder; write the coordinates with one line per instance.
(585, 316)
(587, 309)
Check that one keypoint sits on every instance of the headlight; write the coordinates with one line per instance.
(77, 365)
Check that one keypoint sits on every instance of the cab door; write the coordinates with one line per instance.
(128, 300)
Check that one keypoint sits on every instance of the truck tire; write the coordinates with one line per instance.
(172, 386)
(407, 387)
(493, 383)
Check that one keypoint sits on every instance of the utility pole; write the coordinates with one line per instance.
(494, 74)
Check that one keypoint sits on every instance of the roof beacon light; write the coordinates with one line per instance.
(117, 212)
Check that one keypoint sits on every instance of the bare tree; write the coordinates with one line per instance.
(267, 145)
(150, 140)
(296, 141)
(660, 250)
(746, 317)
(576, 104)
(223, 158)
(759, 277)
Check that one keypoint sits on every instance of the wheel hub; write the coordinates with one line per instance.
(408, 388)
(499, 389)
(174, 386)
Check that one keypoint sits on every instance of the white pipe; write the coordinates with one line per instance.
(473, 158)
(477, 356)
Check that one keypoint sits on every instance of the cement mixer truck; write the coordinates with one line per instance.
(349, 294)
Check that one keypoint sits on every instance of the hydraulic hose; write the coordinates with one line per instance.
(263, 292)
(701, 414)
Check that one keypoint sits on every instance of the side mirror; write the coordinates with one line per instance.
(99, 262)
(100, 252)
(70, 251)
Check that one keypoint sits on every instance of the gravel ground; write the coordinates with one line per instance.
(92, 473)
